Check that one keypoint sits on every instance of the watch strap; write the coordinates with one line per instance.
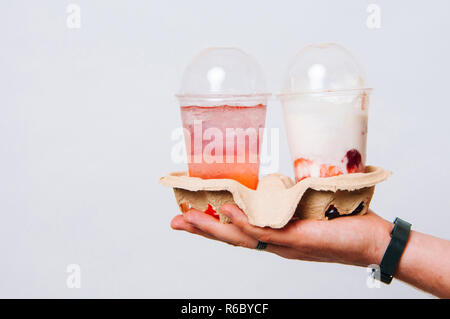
(399, 238)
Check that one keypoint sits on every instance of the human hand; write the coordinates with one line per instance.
(356, 240)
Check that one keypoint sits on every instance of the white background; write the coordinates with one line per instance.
(85, 122)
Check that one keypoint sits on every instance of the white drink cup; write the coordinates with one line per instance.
(325, 104)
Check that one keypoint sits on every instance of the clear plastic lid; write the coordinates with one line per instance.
(222, 74)
(324, 68)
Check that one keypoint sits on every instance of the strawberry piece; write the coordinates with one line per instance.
(210, 211)
(329, 170)
(303, 168)
(354, 161)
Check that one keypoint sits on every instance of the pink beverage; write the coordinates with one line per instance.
(224, 141)
(223, 108)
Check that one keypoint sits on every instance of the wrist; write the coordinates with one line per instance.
(379, 241)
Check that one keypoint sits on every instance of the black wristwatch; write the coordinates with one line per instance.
(388, 265)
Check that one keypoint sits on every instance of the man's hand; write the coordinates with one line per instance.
(356, 240)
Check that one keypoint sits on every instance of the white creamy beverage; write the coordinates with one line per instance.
(322, 132)
(325, 105)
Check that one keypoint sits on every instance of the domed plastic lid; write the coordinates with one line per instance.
(323, 68)
(222, 73)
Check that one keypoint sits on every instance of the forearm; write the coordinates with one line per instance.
(425, 262)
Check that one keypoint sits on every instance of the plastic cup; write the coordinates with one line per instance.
(325, 104)
(223, 108)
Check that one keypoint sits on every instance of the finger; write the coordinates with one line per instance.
(179, 223)
(282, 236)
(235, 237)
(228, 233)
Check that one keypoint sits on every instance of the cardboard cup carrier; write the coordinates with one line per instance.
(278, 198)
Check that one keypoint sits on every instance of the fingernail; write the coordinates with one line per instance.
(176, 224)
